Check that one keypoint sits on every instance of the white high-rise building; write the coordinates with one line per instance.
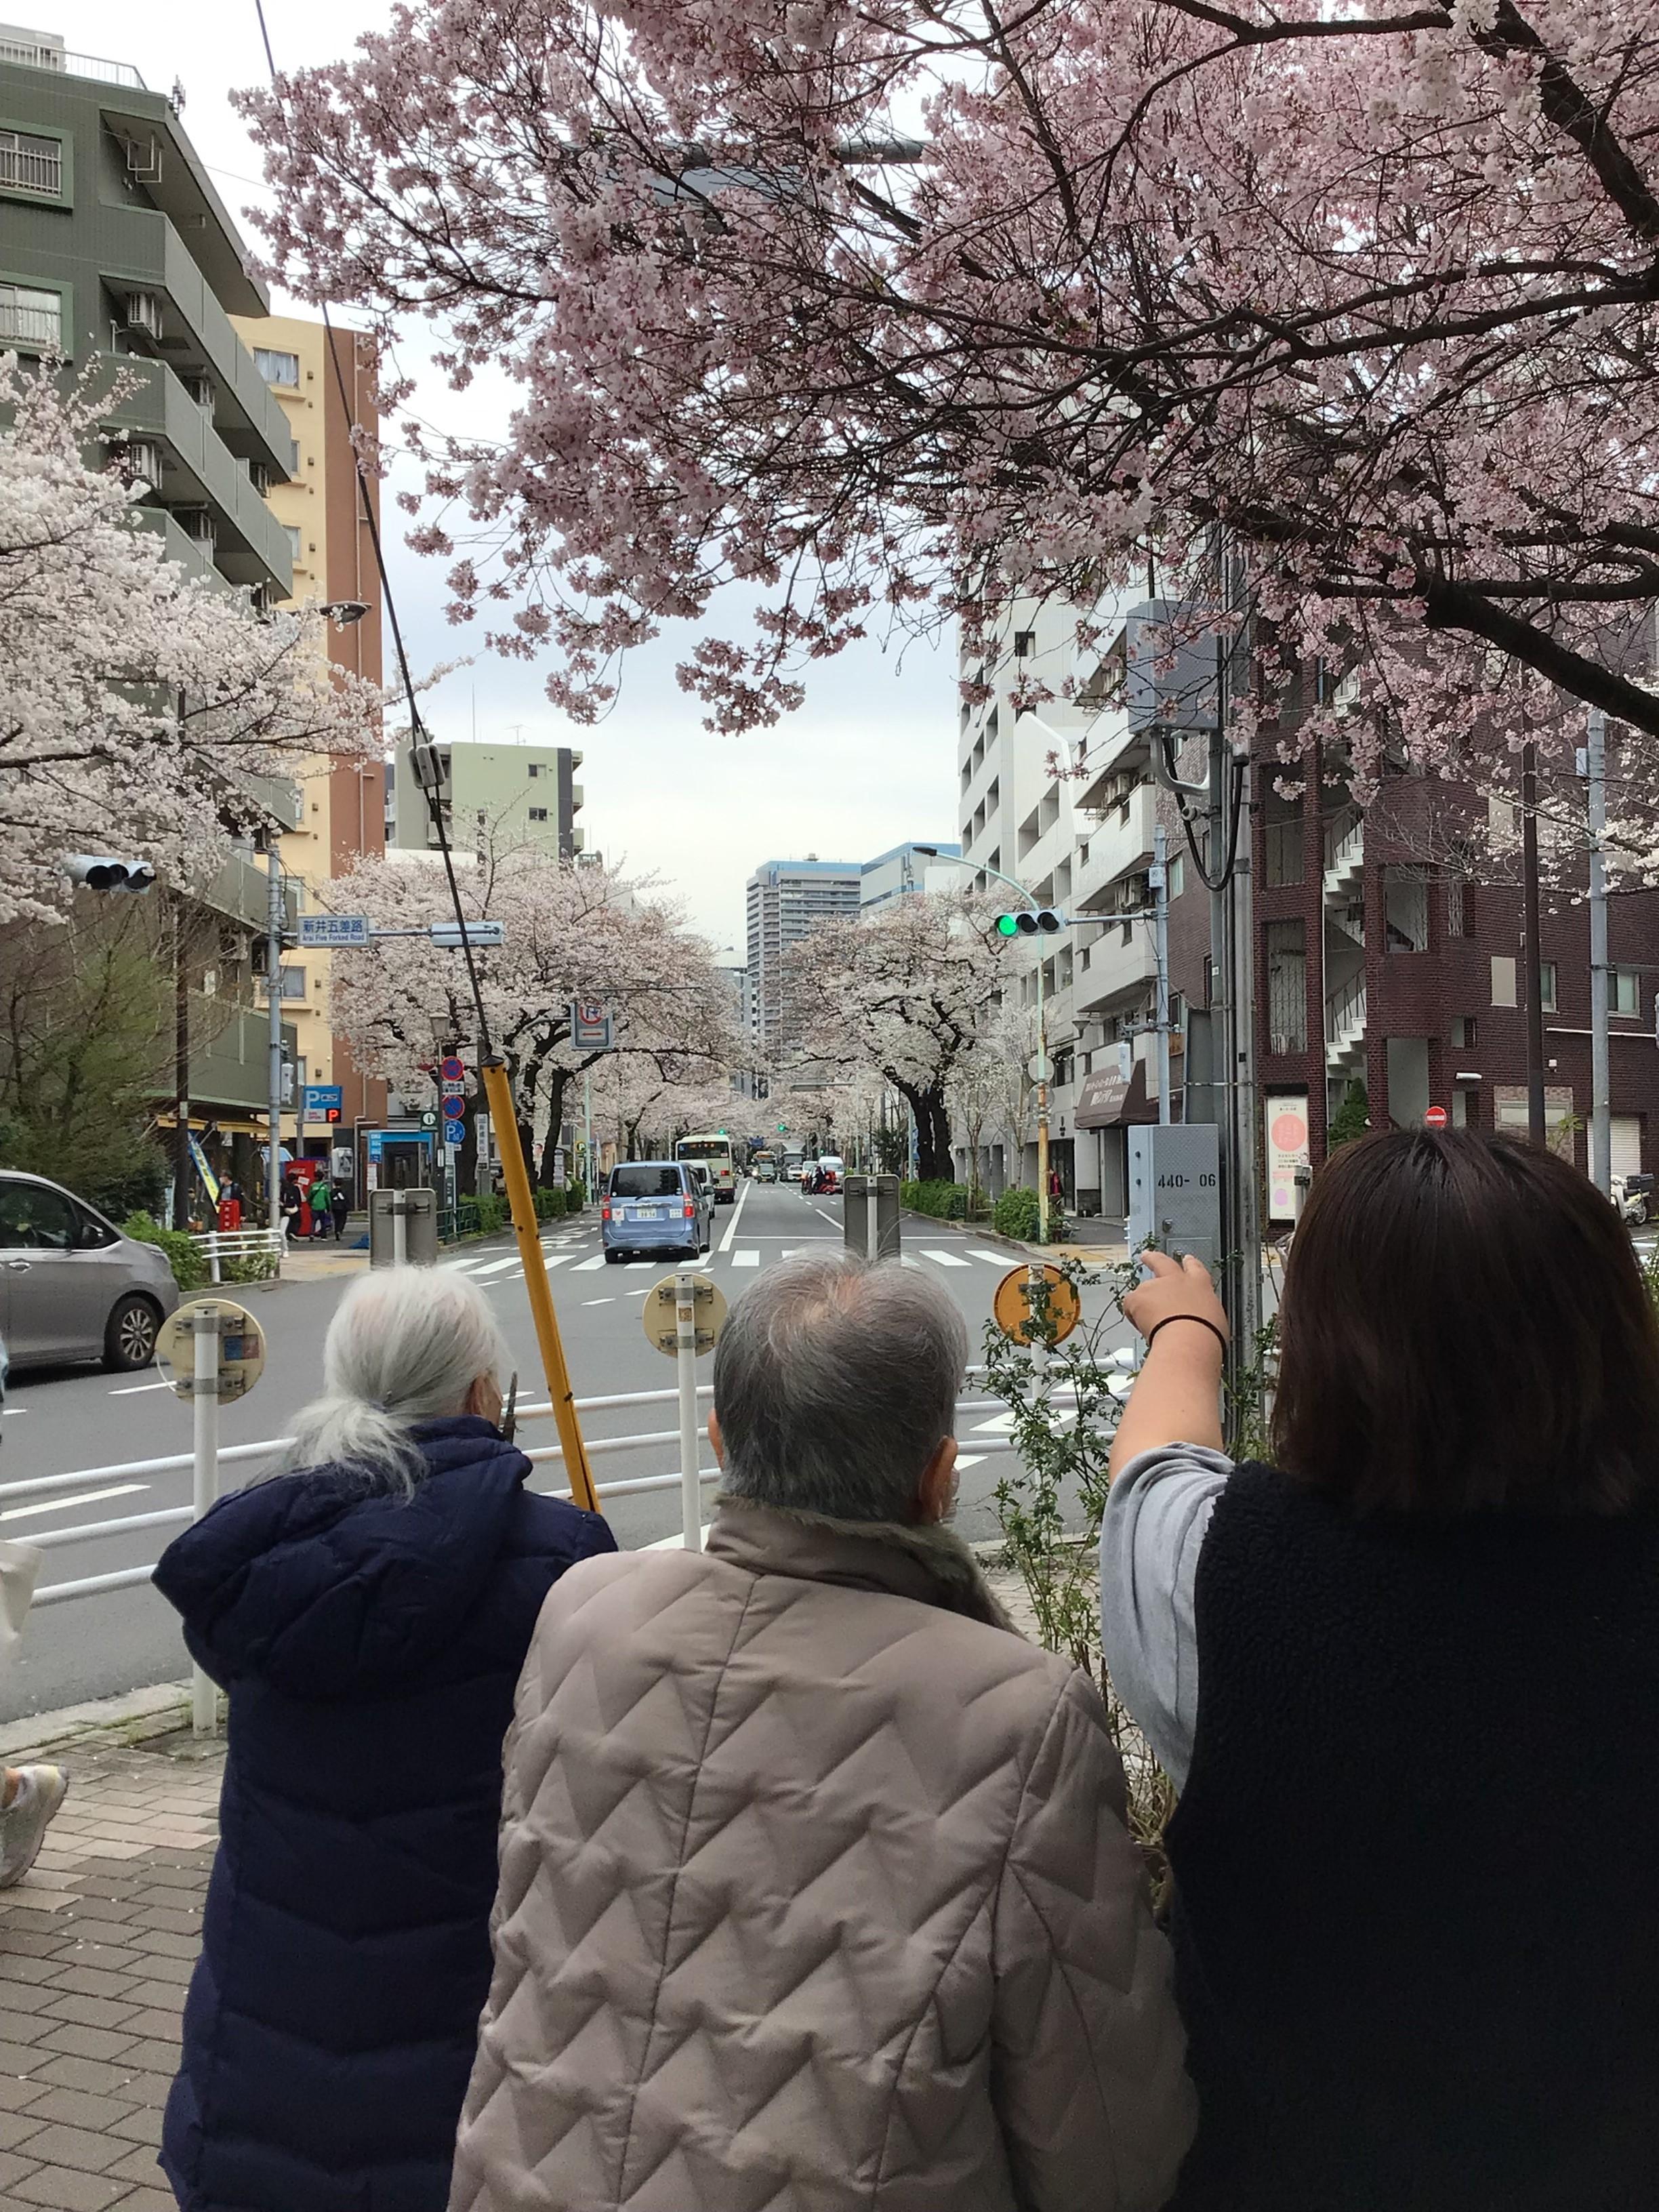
(786, 901)
(1061, 798)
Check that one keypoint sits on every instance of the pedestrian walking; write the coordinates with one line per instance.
(339, 1207)
(290, 1204)
(322, 1200)
(368, 1611)
(1405, 1679)
(815, 1887)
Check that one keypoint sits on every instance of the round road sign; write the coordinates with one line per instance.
(661, 1326)
(241, 1347)
(1012, 1304)
(451, 1068)
(1435, 1118)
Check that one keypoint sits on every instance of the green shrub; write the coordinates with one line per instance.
(187, 1261)
(945, 1201)
(550, 1205)
(576, 1194)
(1016, 1215)
(480, 1217)
(1352, 1118)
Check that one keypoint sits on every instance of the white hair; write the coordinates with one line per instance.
(406, 1345)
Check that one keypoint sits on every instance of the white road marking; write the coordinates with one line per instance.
(466, 1259)
(744, 1258)
(583, 1266)
(737, 1215)
(999, 1425)
(968, 1459)
(599, 1302)
(944, 1258)
(131, 1389)
(997, 1259)
(62, 1504)
(830, 1218)
(498, 1268)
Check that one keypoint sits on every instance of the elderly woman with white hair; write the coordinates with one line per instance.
(368, 1610)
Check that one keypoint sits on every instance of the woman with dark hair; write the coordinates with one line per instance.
(1407, 1680)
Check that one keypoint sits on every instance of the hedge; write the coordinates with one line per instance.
(480, 1217)
(576, 1194)
(945, 1201)
(184, 1256)
(1017, 1216)
(550, 1205)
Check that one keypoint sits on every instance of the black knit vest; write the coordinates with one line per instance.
(1417, 1862)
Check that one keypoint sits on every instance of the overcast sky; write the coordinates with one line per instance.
(868, 762)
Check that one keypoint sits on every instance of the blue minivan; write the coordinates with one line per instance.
(655, 1206)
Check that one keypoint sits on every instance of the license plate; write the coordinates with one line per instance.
(650, 1214)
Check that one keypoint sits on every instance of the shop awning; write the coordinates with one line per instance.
(1107, 1102)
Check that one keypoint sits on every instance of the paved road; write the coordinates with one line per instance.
(95, 1646)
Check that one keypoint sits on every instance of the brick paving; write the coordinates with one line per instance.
(96, 1947)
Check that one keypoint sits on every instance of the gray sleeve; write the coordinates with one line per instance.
(1156, 1513)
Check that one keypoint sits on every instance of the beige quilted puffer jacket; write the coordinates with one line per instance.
(815, 1895)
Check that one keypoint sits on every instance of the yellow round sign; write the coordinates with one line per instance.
(662, 1327)
(1012, 1304)
(241, 1352)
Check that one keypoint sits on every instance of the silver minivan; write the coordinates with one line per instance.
(655, 1206)
(72, 1286)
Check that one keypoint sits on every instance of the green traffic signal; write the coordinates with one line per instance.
(1008, 925)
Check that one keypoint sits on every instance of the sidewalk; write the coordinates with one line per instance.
(96, 1946)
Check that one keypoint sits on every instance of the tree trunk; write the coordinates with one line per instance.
(557, 1083)
(933, 1120)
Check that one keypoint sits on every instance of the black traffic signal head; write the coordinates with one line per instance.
(100, 872)
(1031, 922)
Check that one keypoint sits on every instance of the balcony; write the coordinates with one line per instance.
(201, 471)
(43, 50)
(232, 1064)
(1110, 971)
(1120, 845)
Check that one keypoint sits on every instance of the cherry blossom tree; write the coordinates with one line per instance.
(906, 992)
(1364, 294)
(137, 707)
(571, 931)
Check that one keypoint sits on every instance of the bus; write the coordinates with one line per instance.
(714, 1151)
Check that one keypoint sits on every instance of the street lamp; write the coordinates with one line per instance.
(1033, 922)
(342, 613)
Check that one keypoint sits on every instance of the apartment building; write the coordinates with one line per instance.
(323, 383)
(786, 900)
(508, 795)
(907, 868)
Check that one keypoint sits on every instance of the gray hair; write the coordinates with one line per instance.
(835, 1383)
(406, 1345)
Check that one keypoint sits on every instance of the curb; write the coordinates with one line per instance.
(132, 1717)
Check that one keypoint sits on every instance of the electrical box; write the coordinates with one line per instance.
(1175, 1190)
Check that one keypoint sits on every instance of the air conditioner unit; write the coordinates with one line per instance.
(143, 312)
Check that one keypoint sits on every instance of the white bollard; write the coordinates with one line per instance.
(213, 1254)
(871, 1220)
(399, 1231)
(204, 1407)
(685, 1331)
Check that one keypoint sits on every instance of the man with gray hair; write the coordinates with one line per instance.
(814, 1890)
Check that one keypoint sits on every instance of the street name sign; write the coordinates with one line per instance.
(326, 929)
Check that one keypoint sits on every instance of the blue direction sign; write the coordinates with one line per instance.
(334, 929)
(321, 1101)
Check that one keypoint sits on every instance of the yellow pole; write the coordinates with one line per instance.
(498, 1092)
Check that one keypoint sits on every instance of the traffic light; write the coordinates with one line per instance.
(101, 872)
(1031, 922)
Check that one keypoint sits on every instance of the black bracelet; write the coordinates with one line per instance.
(1199, 1318)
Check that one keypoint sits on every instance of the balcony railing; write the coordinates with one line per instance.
(67, 64)
(30, 326)
(1344, 1012)
(24, 170)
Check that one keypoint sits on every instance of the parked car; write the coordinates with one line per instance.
(72, 1287)
(655, 1206)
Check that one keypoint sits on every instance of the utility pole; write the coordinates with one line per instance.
(1535, 961)
(1161, 954)
(274, 916)
(1042, 1107)
(181, 1162)
(1596, 771)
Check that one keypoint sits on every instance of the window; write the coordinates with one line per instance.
(1287, 987)
(294, 984)
(1177, 876)
(1407, 897)
(533, 770)
(641, 1182)
(1503, 982)
(276, 367)
(35, 1220)
(538, 814)
(1282, 836)
(29, 163)
(31, 317)
(1025, 644)
(291, 532)
(1463, 1030)
(1546, 986)
(1625, 992)
(1459, 908)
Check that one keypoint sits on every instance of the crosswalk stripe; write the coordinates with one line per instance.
(745, 1258)
(498, 1268)
(583, 1266)
(997, 1259)
(944, 1259)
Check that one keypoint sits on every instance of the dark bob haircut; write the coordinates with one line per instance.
(1464, 1327)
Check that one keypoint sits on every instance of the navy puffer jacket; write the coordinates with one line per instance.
(370, 1644)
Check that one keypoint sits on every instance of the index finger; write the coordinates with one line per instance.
(1159, 1263)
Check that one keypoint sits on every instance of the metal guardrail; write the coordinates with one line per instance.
(237, 1244)
(270, 1447)
(56, 61)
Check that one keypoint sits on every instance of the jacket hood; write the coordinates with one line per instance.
(328, 1590)
(929, 1563)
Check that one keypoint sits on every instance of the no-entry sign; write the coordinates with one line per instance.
(1435, 1118)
